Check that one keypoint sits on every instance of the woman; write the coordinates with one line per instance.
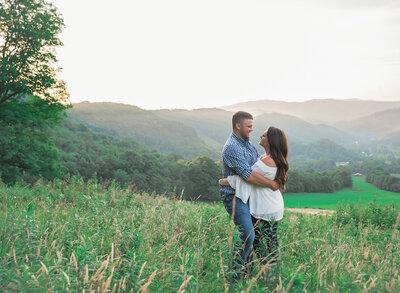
(266, 205)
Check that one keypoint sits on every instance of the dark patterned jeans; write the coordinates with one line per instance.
(266, 240)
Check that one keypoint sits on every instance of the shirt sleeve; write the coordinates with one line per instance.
(234, 160)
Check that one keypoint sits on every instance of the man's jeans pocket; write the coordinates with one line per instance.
(240, 206)
(228, 203)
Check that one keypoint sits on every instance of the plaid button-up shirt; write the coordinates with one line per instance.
(238, 156)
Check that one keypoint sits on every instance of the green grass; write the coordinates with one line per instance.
(71, 236)
(330, 200)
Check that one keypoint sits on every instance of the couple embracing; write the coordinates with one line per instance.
(251, 189)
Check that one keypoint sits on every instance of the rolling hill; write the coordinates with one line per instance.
(300, 131)
(212, 125)
(151, 130)
(379, 124)
(323, 149)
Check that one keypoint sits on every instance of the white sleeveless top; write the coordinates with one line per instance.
(264, 203)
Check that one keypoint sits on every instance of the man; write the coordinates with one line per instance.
(238, 155)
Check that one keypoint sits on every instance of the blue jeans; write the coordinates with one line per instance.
(242, 220)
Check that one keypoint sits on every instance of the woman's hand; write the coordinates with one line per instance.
(223, 182)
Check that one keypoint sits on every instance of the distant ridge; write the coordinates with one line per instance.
(323, 110)
(301, 131)
(380, 124)
(214, 126)
(151, 130)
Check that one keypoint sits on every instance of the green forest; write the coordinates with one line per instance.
(89, 154)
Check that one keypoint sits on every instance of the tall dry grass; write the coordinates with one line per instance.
(86, 237)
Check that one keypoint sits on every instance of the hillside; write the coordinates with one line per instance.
(378, 124)
(323, 149)
(321, 110)
(212, 125)
(90, 154)
(153, 131)
(300, 131)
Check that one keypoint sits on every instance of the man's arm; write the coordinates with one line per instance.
(235, 160)
(260, 180)
(243, 169)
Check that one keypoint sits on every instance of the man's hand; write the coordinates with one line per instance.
(260, 180)
(223, 182)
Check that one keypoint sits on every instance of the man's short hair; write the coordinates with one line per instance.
(239, 116)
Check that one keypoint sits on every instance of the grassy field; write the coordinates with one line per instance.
(77, 237)
(330, 200)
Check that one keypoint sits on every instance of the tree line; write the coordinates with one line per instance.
(380, 172)
(389, 166)
(311, 181)
(383, 180)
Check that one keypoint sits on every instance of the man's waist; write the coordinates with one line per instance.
(227, 190)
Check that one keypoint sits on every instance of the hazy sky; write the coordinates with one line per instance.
(191, 54)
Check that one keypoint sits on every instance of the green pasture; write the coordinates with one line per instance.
(367, 191)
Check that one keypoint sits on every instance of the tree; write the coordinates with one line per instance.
(32, 98)
(29, 32)
(200, 179)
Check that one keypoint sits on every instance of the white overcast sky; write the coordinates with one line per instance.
(206, 53)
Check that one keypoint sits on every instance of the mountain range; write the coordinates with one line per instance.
(379, 124)
(320, 111)
(192, 133)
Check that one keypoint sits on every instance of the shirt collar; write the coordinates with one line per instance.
(241, 140)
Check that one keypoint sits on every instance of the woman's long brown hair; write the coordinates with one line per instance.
(278, 149)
